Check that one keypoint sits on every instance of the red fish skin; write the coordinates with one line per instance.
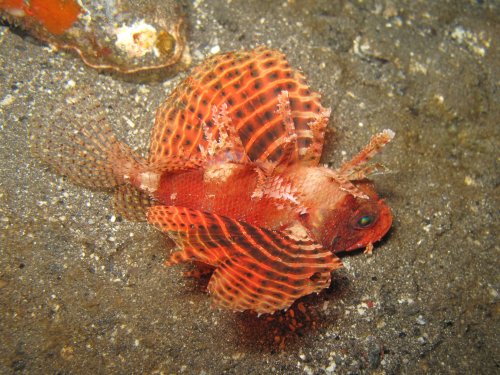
(333, 214)
(231, 196)
(340, 230)
(328, 213)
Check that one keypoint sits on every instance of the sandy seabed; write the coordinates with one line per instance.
(82, 291)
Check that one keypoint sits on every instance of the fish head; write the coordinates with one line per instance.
(357, 222)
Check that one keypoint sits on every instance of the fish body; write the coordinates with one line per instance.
(233, 177)
(300, 195)
(225, 189)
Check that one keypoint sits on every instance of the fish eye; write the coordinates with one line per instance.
(365, 221)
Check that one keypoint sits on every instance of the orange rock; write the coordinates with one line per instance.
(56, 15)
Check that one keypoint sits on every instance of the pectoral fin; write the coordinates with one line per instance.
(255, 268)
(250, 84)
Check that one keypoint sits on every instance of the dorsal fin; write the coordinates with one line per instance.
(249, 83)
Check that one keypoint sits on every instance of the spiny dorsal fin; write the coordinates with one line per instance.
(377, 142)
(280, 191)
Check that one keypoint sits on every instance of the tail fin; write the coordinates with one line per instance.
(77, 141)
(132, 203)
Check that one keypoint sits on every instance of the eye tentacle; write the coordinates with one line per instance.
(377, 142)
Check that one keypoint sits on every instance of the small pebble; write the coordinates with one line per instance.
(421, 321)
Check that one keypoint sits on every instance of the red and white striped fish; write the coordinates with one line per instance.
(233, 177)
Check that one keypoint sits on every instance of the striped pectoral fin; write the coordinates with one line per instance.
(270, 270)
(293, 136)
(198, 235)
(243, 283)
(251, 86)
(255, 268)
(303, 142)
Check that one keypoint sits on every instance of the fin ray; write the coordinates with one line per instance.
(131, 203)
